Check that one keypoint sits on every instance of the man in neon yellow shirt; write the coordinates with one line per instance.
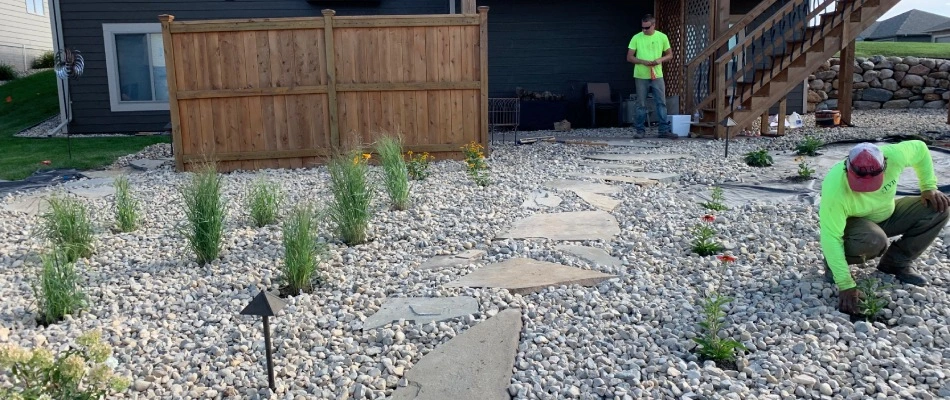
(647, 51)
(858, 213)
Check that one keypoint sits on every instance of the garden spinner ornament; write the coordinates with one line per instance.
(68, 63)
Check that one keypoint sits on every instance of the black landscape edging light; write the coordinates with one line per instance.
(266, 304)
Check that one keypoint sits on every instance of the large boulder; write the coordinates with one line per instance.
(903, 103)
(912, 81)
(857, 78)
(866, 105)
(894, 59)
(813, 96)
(816, 84)
(826, 75)
(878, 95)
(870, 75)
(928, 62)
(890, 84)
(911, 61)
(901, 67)
(884, 65)
(886, 73)
(919, 69)
(861, 85)
(867, 65)
(939, 75)
(917, 104)
(898, 75)
(903, 93)
(932, 97)
(937, 105)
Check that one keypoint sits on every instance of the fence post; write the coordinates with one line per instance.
(483, 69)
(172, 90)
(468, 6)
(332, 105)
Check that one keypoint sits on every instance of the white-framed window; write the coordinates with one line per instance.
(135, 64)
(37, 7)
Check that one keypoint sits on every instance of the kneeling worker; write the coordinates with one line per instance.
(858, 213)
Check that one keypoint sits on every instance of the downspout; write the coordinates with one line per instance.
(62, 86)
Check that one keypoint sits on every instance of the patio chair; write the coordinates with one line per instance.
(599, 97)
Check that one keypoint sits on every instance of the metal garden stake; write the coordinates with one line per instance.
(266, 304)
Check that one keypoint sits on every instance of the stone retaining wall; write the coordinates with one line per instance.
(884, 82)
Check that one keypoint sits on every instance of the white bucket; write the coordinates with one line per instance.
(680, 124)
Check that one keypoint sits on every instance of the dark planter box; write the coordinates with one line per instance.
(541, 114)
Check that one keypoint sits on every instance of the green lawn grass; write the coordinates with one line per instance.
(33, 100)
(902, 49)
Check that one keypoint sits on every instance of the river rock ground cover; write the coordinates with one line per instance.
(176, 332)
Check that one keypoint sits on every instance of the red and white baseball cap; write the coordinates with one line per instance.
(865, 168)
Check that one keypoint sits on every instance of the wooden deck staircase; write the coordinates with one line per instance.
(776, 47)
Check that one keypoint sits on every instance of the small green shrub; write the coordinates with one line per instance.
(302, 252)
(7, 72)
(711, 345)
(67, 225)
(126, 206)
(59, 292)
(872, 302)
(475, 162)
(716, 204)
(264, 199)
(704, 242)
(350, 209)
(44, 61)
(759, 158)
(808, 147)
(418, 165)
(804, 170)
(81, 373)
(205, 210)
(396, 172)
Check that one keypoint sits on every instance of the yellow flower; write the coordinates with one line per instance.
(366, 156)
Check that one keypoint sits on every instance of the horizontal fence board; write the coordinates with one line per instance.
(287, 93)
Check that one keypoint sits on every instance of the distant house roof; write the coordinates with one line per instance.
(941, 27)
(913, 22)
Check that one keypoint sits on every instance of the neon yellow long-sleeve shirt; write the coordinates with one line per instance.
(838, 202)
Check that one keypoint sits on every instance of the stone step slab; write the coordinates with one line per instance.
(463, 258)
(541, 198)
(636, 157)
(662, 177)
(525, 275)
(421, 310)
(475, 365)
(581, 225)
(575, 185)
(590, 254)
(625, 167)
(615, 178)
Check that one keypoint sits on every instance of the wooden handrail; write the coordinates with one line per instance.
(728, 34)
(762, 28)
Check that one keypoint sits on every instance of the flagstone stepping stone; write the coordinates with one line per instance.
(465, 257)
(600, 201)
(636, 157)
(662, 177)
(591, 254)
(537, 199)
(106, 173)
(626, 167)
(475, 365)
(30, 204)
(589, 192)
(578, 225)
(524, 275)
(97, 192)
(421, 310)
(616, 178)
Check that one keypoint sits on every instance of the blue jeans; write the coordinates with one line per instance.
(658, 87)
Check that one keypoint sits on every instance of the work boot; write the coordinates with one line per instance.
(906, 275)
(668, 135)
(639, 135)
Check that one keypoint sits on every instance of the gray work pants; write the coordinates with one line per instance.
(919, 224)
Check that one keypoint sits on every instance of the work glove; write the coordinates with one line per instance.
(848, 301)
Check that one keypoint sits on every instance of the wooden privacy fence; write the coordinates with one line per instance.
(284, 93)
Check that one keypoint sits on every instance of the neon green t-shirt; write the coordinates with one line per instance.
(838, 202)
(649, 48)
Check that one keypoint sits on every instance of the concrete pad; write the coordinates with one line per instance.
(626, 167)
(580, 225)
(615, 178)
(466, 257)
(524, 275)
(636, 157)
(591, 254)
(475, 365)
(421, 310)
(145, 165)
(541, 198)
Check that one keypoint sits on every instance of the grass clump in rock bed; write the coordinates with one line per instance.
(205, 210)
(302, 251)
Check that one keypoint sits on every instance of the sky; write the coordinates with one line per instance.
(941, 7)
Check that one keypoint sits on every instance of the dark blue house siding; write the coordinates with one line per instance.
(540, 45)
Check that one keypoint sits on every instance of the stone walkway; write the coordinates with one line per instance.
(478, 363)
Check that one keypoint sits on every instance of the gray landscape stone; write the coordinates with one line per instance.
(475, 365)
(541, 198)
(636, 157)
(95, 192)
(145, 165)
(590, 254)
(600, 201)
(463, 258)
(30, 204)
(421, 310)
(568, 184)
(656, 176)
(626, 167)
(584, 225)
(106, 173)
(525, 275)
(88, 183)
